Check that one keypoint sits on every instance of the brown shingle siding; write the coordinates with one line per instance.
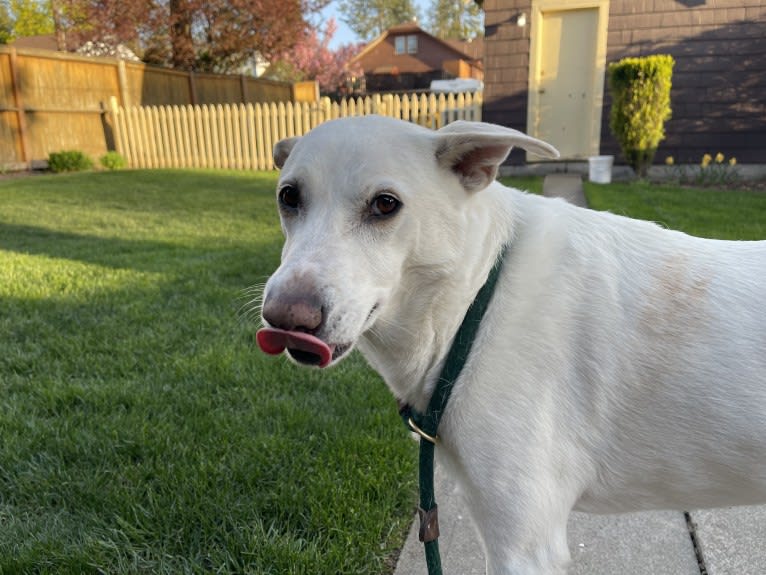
(719, 80)
(632, 21)
(736, 13)
(677, 19)
(507, 61)
(515, 76)
(617, 7)
(733, 3)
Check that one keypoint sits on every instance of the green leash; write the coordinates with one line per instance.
(426, 424)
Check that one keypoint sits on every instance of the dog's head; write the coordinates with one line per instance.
(363, 202)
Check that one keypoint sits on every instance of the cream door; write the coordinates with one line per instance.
(566, 78)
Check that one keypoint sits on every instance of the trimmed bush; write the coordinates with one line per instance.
(69, 161)
(113, 161)
(640, 106)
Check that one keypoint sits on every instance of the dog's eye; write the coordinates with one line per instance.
(384, 205)
(290, 197)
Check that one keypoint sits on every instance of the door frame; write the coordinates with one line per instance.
(599, 68)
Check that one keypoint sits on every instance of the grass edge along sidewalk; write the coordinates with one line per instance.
(141, 430)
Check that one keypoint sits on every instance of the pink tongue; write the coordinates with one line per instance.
(275, 341)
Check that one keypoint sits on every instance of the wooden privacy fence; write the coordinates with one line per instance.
(241, 136)
(54, 101)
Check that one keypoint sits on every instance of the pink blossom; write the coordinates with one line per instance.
(314, 60)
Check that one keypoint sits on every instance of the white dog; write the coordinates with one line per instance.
(620, 366)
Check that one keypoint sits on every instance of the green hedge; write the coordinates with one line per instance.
(640, 106)
(69, 161)
(113, 161)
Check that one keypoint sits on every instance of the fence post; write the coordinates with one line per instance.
(192, 89)
(122, 82)
(116, 128)
(479, 105)
(19, 102)
(243, 87)
(326, 110)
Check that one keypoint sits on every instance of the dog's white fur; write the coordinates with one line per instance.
(620, 366)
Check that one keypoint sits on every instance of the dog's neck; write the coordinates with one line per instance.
(409, 344)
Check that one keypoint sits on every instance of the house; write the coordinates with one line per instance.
(40, 42)
(406, 58)
(89, 48)
(545, 64)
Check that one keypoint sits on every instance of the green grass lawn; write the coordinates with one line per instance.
(708, 213)
(704, 212)
(140, 429)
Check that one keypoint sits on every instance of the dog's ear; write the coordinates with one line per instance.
(475, 150)
(282, 149)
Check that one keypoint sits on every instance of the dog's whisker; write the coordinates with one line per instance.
(252, 290)
(252, 304)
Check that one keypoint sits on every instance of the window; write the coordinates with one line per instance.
(406, 44)
(412, 44)
(399, 44)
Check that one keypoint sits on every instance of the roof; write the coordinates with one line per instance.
(456, 46)
(42, 42)
(473, 48)
(406, 27)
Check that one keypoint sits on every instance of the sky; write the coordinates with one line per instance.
(344, 35)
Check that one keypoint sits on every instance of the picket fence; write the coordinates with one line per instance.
(241, 136)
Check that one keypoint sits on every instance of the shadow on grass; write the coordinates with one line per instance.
(120, 253)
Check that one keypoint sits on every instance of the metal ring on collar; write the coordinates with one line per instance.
(432, 438)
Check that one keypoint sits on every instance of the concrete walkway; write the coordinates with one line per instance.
(712, 542)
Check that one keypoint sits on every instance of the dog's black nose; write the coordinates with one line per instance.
(293, 312)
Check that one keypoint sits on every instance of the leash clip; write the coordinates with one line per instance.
(413, 426)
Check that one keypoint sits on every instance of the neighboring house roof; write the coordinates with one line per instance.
(379, 57)
(42, 42)
(104, 49)
(473, 48)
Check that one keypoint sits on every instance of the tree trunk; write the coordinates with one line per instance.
(58, 26)
(180, 35)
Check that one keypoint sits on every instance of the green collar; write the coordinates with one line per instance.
(427, 424)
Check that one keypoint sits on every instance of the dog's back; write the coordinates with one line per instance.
(653, 344)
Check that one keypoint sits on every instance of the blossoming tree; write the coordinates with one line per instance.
(312, 59)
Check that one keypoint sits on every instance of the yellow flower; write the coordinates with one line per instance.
(669, 160)
(719, 158)
(706, 159)
(732, 161)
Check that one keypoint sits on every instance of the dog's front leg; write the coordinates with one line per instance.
(531, 541)
(521, 517)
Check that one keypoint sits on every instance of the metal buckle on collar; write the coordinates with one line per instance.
(413, 426)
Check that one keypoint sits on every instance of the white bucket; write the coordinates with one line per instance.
(600, 169)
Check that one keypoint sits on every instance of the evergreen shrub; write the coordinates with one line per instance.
(69, 161)
(640, 90)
